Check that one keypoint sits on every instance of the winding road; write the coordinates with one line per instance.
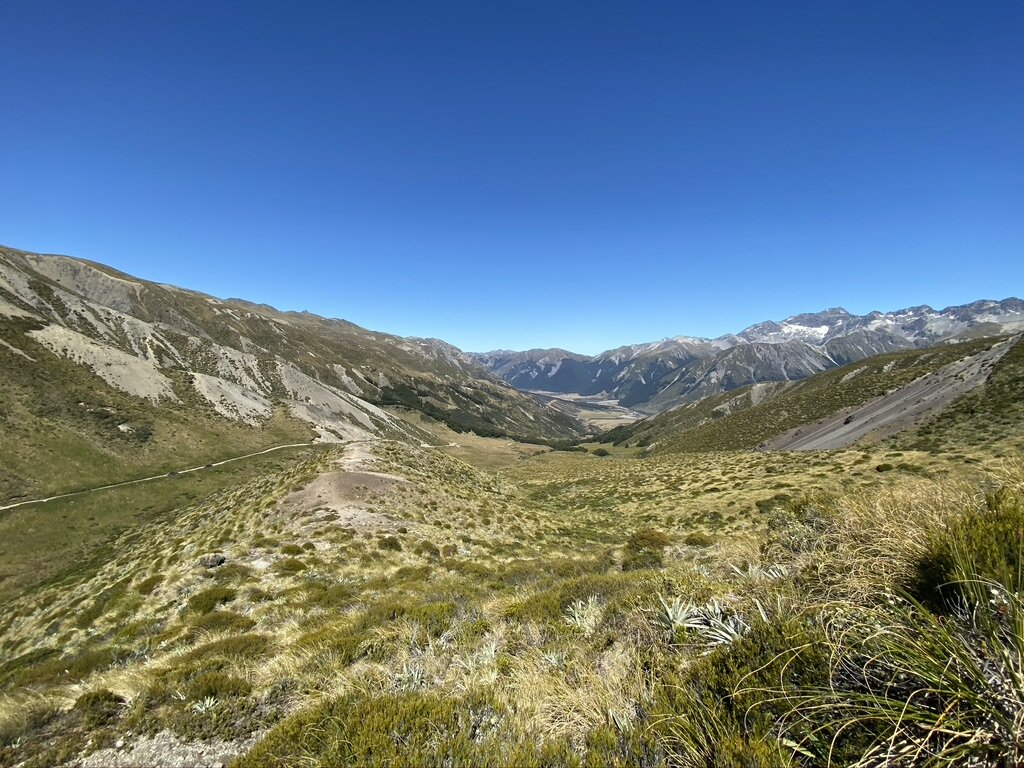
(156, 477)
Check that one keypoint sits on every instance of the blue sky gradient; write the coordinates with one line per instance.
(525, 174)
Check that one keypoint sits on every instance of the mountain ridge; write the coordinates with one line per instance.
(655, 376)
(117, 375)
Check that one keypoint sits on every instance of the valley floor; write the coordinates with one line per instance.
(484, 602)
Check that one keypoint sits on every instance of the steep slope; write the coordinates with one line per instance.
(983, 418)
(655, 377)
(876, 396)
(100, 368)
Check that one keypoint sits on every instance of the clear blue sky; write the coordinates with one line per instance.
(528, 173)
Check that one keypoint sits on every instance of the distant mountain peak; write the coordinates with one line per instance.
(657, 375)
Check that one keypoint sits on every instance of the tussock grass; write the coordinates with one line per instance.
(521, 633)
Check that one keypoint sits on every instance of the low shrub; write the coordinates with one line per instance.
(985, 543)
(98, 708)
(635, 560)
(208, 599)
(289, 565)
(698, 539)
(428, 550)
(218, 685)
(648, 538)
(223, 621)
(147, 585)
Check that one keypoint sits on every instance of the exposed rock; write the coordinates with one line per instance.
(213, 560)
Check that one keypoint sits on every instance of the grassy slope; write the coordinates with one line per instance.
(55, 541)
(732, 421)
(387, 370)
(988, 416)
(59, 427)
(455, 615)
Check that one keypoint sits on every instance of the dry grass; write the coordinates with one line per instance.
(520, 597)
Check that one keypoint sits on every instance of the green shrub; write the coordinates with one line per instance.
(147, 585)
(389, 544)
(601, 452)
(98, 708)
(648, 538)
(698, 539)
(428, 550)
(985, 544)
(644, 549)
(635, 560)
(208, 599)
(291, 549)
(218, 685)
(289, 565)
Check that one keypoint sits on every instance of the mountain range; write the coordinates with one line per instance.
(656, 376)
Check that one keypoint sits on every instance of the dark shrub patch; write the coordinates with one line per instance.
(986, 544)
(699, 539)
(146, 586)
(289, 565)
(217, 685)
(648, 538)
(98, 708)
(208, 599)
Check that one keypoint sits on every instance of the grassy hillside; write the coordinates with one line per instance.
(63, 428)
(182, 351)
(393, 604)
(745, 418)
(993, 414)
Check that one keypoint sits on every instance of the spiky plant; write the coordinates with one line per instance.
(712, 624)
(585, 615)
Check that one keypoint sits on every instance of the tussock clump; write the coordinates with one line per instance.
(644, 550)
(99, 707)
(208, 599)
(984, 543)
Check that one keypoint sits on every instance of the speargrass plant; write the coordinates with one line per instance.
(713, 624)
(585, 615)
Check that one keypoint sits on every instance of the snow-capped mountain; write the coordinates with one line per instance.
(658, 375)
